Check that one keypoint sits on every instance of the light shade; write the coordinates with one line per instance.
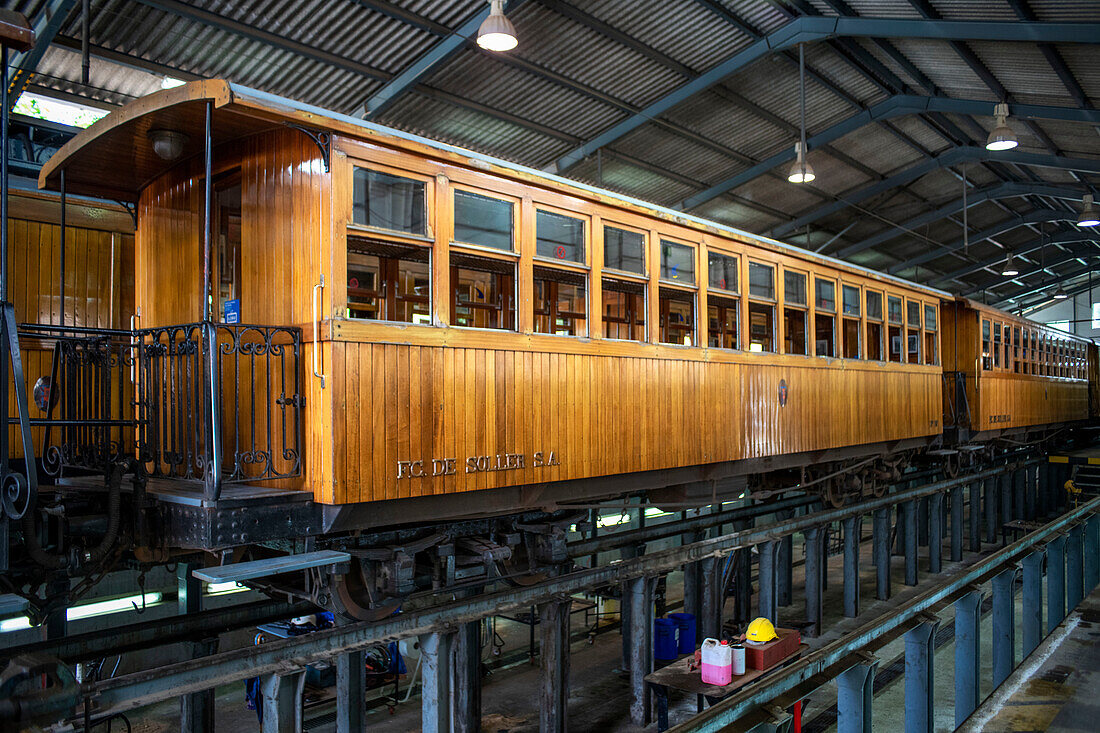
(167, 144)
(1090, 217)
(1060, 293)
(1010, 267)
(497, 32)
(1002, 137)
(801, 171)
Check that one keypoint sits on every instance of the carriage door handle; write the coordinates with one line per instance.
(317, 331)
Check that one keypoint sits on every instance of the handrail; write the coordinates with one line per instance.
(317, 330)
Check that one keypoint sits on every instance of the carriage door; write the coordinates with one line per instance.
(227, 232)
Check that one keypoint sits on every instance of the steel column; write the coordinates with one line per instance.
(975, 515)
(768, 599)
(992, 501)
(281, 701)
(1075, 589)
(466, 712)
(935, 533)
(1043, 489)
(1031, 625)
(968, 615)
(910, 513)
(1019, 505)
(852, 530)
(815, 569)
(641, 645)
(1092, 552)
(1029, 492)
(1056, 581)
(742, 569)
(785, 572)
(957, 498)
(713, 599)
(351, 692)
(1004, 630)
(435, 682)
(854, 697)
(196, 709)
(920, 676)
(693, 578)
(924, 519)
(553, 669)
(1004, 490)
(881, 550)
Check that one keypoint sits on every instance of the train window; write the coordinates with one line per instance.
(483, 293)
(724, 331)
(677, 310)
(850, 300)
(227, 215)
(824, 334)
(1016, 349)
(623, 310)
(987, 350)
(761, 327)
(761, 281)
(874, 325)
(677, 262)
(913, 311)
(998, 346)
(825, 295)
(1025, 352)
(560, 304)
(794, 288)
(388, 283)
(895, 331)
(483, 220)
(722, 272)
(931, 338)
(623, 250)
(559, 237)
(913, 334)
(850, 304)
(386, 201)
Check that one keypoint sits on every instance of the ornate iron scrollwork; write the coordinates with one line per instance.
(321, 138)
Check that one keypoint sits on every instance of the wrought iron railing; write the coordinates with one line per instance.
(219, 403)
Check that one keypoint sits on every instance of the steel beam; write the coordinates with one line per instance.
(1075, 588)
(920, 647)
(710, 619)
(553, 668)
(785, 575)
(1004, 628)
(956, 497)
(1031, 624)
(196, 709)
(24, 64)
(1056, 581)
(992, 508)
(974, 514)
(693, 579)
(281, 701)
(815, 571)
(351, 692)
(467, 673)
(854, 698)
(641, 648)
(910, 515)
(881, 548)
(768, 597)
(435, 682)
(935, 533)
(968, 667)
(1004, 489)
(852, 530)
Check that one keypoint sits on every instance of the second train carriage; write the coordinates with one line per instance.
(447, 337)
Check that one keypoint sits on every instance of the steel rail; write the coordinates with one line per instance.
(730, 710)
(154, 685)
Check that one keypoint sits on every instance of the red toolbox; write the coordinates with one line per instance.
(767, 655)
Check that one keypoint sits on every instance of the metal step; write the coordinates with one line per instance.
(242, 571)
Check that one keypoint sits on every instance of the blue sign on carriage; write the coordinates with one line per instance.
(232, 311)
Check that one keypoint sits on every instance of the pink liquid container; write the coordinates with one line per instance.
(717, 662)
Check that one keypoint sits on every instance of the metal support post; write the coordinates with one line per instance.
(935, 533)
(1042, 489)
(1056, 581)
(1075, 589)
(815, 569)
(924, 520)
(1092, 552)
(196, 709)
(854, 696)
(1030, 493)
(435, 682)
(281, 701)
(553, 669)
(351, 693)
(881, 549)
(975, 515)
(641, 645)
(1019, 503)
(1004, 630)
(1031, 625)
(852, 529)
(768, 600)
(467, 673)
(786, 563)
(742, 599)
(919, 676)
(693, 577)
(957, 524)
(992, 502)
(911, 542)
(1005, 491)
(713, 597)
(899, 533)
(968, 615)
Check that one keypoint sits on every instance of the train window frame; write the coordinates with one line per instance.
(665, 241)
(998, 346)
(986, 337)
(895, 329)
(824, 315)
(793, 310)
(477, 262)
(931, 334)
(585, 244)
(516, 233)
(666, 295)
(1016, 343)
(718, 336)
(621, 284)
(1025, 348)
(846, 321)
(387, 293)
(721, 289)
(430, 207)
(616, 271)
(552, 279)
(913, 330)
(875, 325)
(763, 307)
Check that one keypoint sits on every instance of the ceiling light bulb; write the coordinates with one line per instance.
(167, 144)
(497, 32)
(1090, 217)
(1002, 137)
(1060, 294)
(801, 171)
(1010, 268)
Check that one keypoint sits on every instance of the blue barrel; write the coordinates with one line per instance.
(664, 639)
(685, 628)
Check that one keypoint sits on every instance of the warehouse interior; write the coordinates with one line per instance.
(515, 365)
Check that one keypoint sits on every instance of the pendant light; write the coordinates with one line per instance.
(1002, 137)
(1090, 217)
(497, 32)
(1060, 293)
(1009, 269)
(801, 171)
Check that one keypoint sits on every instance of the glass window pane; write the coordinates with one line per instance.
(914, 313)
(560, 306)
(483, 298)
(930, 318)
(850, 296)
(722, 272)
(723, 330)
(874, 341)
(794, 287)
(987, 350)
(894, 305)
(677, 262)
(824, 335)
(677, 310)
(826, 296)
(483, 220)
(794, 331)
(761, 327)
(623, 310)
(559, 237)
(874, 305)
(389, 288)
(388, 202)
(624, 250)
(761, 281)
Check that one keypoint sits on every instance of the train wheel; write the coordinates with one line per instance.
(516, 570)
(352, 598)
(834, 493)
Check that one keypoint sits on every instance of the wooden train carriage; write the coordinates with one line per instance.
(99, 279)
(483, 337)
(1010, 375)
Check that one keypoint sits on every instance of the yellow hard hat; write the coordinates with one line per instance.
(760, 631)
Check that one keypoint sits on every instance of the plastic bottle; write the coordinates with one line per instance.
(717, 662)
(738, 659)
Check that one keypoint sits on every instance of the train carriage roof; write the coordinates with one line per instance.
(105, 160)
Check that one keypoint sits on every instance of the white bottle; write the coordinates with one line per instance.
(717, 662)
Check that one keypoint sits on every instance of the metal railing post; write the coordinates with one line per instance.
(1031, 624)
(1092, 552)
(854, 698)
(212, 408)
(852, 530)
(920, 644)
(1056, 581)
(881, 547)
(1075, 589)
(1004, 630)
(967, 655)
